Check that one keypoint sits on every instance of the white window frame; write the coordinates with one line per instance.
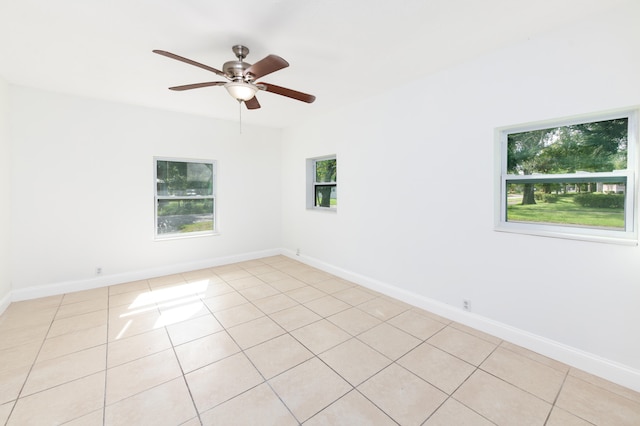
(311, 183)
(158, 197)
(628, 236)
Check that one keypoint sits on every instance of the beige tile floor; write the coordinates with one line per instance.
(275, 342)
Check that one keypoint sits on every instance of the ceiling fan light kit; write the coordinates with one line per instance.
(240, 90)
(242, 76)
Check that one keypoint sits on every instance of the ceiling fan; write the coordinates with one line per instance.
(242, 77)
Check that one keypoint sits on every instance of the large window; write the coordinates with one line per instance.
(184, 197)
(322, 182)
(571, 178)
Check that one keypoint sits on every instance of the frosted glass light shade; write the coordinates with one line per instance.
(240, 90)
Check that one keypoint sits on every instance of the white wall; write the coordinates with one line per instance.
(83, 190)
(5, 193)
(415, 195)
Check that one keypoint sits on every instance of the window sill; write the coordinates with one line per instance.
(173, 237)
(323, 209)
(627, 239)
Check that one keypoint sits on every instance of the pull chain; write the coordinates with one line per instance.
(240, 112)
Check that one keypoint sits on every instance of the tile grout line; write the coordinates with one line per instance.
(317, 355)
(288, 332)
(173, 348)
(243, 351)
(106, 361)
(157, 308)
(266, 381)
(553, 404)
(34, 362)
(393, 361)
(383, 321)
(476, 368)
(104, 402)
(225, 330)
(184, 376)
(353, 387)
(604, 389)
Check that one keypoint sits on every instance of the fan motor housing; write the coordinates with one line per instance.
(235, 69)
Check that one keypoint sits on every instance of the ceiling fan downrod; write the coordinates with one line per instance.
(240, 51)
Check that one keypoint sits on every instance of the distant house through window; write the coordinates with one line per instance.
(184, 197)
(322, 183)
(571, 178)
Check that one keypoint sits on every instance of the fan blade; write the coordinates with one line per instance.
(198, 85)
(287, 92)
(252, 103)
(266, 66)
(190, 62)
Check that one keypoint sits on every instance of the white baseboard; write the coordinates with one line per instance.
(54, 289)
(591, 363)
(5, 302)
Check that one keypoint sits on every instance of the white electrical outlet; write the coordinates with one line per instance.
(297, 252)
(466, 305)
(99, 270)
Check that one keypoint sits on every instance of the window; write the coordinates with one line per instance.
(572, 178)
(322, 192)
(184, 197)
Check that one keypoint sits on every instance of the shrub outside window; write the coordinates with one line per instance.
(184, 197)
(572, 178)
(323, 187)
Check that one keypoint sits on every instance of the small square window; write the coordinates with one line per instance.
(322, 192)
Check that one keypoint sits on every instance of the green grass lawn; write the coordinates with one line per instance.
(564, 212)
(206, 225)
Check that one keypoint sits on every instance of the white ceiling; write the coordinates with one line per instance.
(339, 50)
